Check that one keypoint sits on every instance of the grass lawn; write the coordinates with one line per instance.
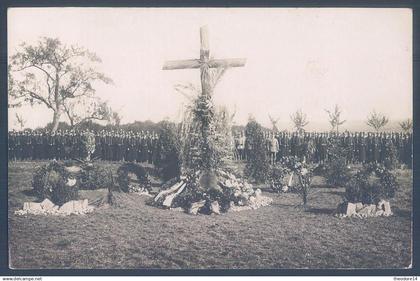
(141, 236)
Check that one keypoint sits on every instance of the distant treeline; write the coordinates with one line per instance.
(139, 126)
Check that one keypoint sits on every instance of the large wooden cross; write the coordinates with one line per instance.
(204, 62)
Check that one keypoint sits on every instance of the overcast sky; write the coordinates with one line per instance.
(310, 59)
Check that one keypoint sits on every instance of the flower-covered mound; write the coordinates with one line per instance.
(211, 192)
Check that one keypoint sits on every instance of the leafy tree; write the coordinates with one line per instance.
(54, 75)
(299, 120)
(334, 117)
(377, 120)
(407, 125)
(87, 109)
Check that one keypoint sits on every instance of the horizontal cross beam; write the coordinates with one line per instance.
(195, 63)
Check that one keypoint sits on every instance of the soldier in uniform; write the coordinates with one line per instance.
(144, 147)
(102, 151)
(376, 147)
(400, 147)
(293, 151)
(241, 146)
(278, 136)
(408, 139)
(12, 146)
(125, 146)
(114, 146)
(129, 148)
(383, 144)
(235, 147)
(369, 148)
(120, 146)
(60, 145)
(30, 145)
(363, 147)
(274, 149)
(310, 148)
(249, 146)
(67, 145)
(23, 143)
(50, 146)
(349, 143)
(35, 140)
(138, 146)
(287, 144)
(108, 146)
(76, 144)
(17, 147)
(324, 143)
(156, 149)
(356, 147)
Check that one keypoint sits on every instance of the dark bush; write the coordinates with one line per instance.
(257, 166)
(371, 184)
(277, 175)
(391, 157)
(93, 176)
(337, 172)
(169, 163)
(128, 184)
(63, 193)
(51, 181)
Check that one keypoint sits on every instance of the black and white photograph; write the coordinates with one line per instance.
(210, 138)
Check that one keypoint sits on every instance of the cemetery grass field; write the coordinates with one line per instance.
(137, 235)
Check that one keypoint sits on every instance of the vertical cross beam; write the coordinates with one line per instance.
(204, 44)
(204, 58)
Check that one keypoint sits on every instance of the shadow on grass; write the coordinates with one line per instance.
(333, 192)
(402, 213)
(29, 192)
(269, 190)
(286, 205)
(320, 211)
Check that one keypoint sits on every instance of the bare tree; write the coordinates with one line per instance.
(232, 116)
(299, 120)
(407, 125)
(20, 121)
(115, 119)
(54, 75)
(334, 117)
(274, 123)
(377, 120)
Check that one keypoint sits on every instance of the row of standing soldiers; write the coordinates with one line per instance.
(62, 145)
(362, 147)
(145, 146)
